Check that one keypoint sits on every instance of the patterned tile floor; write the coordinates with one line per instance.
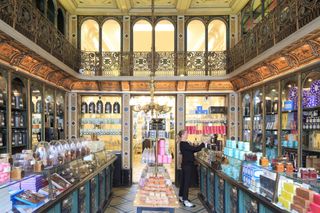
(122, 201)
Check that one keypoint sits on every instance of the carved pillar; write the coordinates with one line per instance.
(181, 108)
(125, 65)
(180, 45)
(126, 138)
(72, 30)
(233, 116)
(72, 115)
(233, 30)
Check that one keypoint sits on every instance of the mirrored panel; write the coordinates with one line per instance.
(36, 111)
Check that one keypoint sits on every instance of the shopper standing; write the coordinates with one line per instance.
(187, 165)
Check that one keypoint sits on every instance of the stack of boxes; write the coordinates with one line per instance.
(251, 176)
(231, 149)
(4, 172)
(299, 199)
(164, 156)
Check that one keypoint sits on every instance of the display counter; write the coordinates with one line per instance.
(60, 176)
(222, 192)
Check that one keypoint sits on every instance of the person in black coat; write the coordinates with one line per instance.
(187, 164)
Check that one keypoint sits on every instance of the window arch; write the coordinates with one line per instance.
(50, 11)
(60, 21)
(164, 31)
(90, 35)
(40, 5)
(142, 36)
(196, 36)
(111, 36)
(217, 35)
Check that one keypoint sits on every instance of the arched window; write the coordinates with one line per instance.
(111, 36)
(50, 11)
(90, 36)
(60, 21)
(196, 36)
(217, 36)
(142, 36)
(164, 35)
(40, 5)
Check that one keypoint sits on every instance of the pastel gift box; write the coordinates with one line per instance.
(314, 207)
(301, 202)
(240, 145)
(316, 198)
(297, 208)
(287, 195)
(160, 158)
(290, 144)
(246, 146)
(230, 152)
(304, 193)
(237, 154)
(234, 144)
(284, 143)
(285, 203)
(289, 187)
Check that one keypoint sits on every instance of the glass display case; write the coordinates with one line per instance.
(49, 106)
(36, 113)
(206, 116)
(246, 117)
(272, 120)
(311, 120)
(3, 114)
(18, 114)
(289, 117)
(101, 119)
(257, 120)
(60, 107)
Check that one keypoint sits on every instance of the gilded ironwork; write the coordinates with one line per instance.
(140, 64)
(166, 64)
(90, 63)
(217, 63)
(195, 63)
(111, 63)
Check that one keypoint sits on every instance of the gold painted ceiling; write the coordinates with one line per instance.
(172, 7)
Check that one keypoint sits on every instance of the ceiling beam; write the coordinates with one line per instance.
(124, 5)
(69, 5)
(183, 5)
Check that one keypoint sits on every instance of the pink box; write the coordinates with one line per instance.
(161, 151)
(160, 159)
(161, 143)
(164, 159)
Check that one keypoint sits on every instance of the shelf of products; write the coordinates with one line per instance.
(257, 120)
(272, 120)
(311, 120)
(40, 180)
(206, 116)
(3, 113)
(101, 119)
(60, 107)
(18, 115)
(36, 113)
(246, 118)
(254, 183)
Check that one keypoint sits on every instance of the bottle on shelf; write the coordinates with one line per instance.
(1, 140)
(2, 104)
(92, 107)
(84, 107)
(116, 107)
(108, 108)
(99, 106)
(38, 106)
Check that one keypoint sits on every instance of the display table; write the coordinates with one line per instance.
(155, 193)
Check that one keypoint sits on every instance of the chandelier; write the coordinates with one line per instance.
(153, 61)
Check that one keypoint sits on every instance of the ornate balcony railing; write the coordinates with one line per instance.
(26, 19)
(166, 63)
(288, 17)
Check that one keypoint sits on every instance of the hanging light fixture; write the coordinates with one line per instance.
(153, 63)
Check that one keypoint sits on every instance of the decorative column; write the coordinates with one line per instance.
(72, 115)
(233, 116)
(72, 30)
(233, 26)
(180, 46)
(126, 142)
(180, 120)
(125, 65)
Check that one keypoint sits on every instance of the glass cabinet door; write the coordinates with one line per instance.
(257, 120)
(60, 105)
(49, 103)
(18, 115)
(289, 117)
(246, 115)
(3, 114)
(311, 120)
(36, 113)
(272, 120)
